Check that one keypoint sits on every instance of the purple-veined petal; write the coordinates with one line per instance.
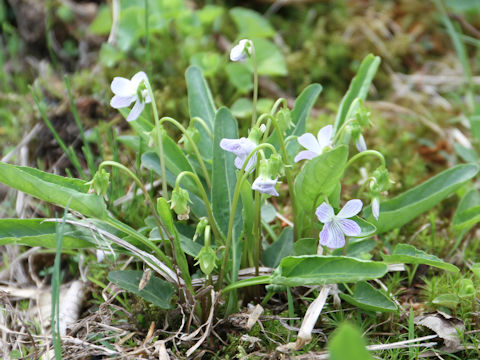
(231, 145)
(324, 136)
(332, 236)
(360, 144)
(324, 213)
(136, 111)
(138, 78)
(349, 227)
(239, 160)
(118, 101)
(350, 209)
(309, 142)
(305, 155)
(375, 208)
(266, 186)
(122, 87)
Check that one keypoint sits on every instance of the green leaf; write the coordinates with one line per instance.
(358, 248)
(347, 343)
(54, 189)
(408, 254)
(407, 206)
(36, 232)
(448, 300)
(270, 59)
(305, 246)
(366, 297)
(224, 179)
(157, 291)
(251, 24)
(240, 76)
(468, 211)
(303, 105)
(200, 104)
(320, 270)
(279, 249)
(358, 89)
(319, 176)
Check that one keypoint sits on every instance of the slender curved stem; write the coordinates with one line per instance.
(236, 193)
(288, 171)
(365, 153)
(194, 146)
(203, 124)
(255, 84)
(158, 141)
(277, 104)
(140, 184)
(194, 176)
(341, 130)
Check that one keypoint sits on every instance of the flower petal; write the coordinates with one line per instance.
(265, 185)
(324, 136)
(349, 227)
(305, 155)
(324, 213)
(360, 144)
(375, 208)
(136, 111)
(309, 142)
(239, 52)
(332, 236)
(350, 209)
(138, 78)
(122, 87)
(118, 101)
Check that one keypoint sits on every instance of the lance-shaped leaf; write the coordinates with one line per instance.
(358, 89)
(408, 254)
(58, 190)
(279, 249)
(468, 211)
(407, 206)
(320, 270)
(201, 105)
(320, 176)
(36, 232)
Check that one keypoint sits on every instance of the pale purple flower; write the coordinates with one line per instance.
(127, 91)
(241, 148)
(241, 51)
(265, 185)
(337, 226)
(360, 144)
(375, 208)
(314, 145)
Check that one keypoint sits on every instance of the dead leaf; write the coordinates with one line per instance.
(445, 326)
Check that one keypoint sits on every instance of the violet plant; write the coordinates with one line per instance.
(216, 181)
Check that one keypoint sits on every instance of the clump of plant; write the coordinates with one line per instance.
(215, 242)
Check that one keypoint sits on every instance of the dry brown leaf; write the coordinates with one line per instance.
(445, 326)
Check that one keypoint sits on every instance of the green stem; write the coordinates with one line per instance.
(158, 140)
(203, 124)
(277, 104)
(236, 193)
(194, 146)
(137, 181)
(257, 224)
(255, 84)
(365, 153)
(341, 130)
(211, 219)
(288, 170)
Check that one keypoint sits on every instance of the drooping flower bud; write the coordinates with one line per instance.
(194, 135)
(206, 258)
(179, 203)
(99, 183)
(284, 119)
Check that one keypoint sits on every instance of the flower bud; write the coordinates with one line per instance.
(202, 224)
(100, 182)
(255, 135)
(275, 166)
(206, 258)
(284, 119)
(179, 203)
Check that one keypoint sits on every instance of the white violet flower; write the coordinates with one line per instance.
(127, 91)
(314, 145)
(265, 185)
(337, 226)
(241, 148)
(360, 144)
(375, 208)
(241, 51)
